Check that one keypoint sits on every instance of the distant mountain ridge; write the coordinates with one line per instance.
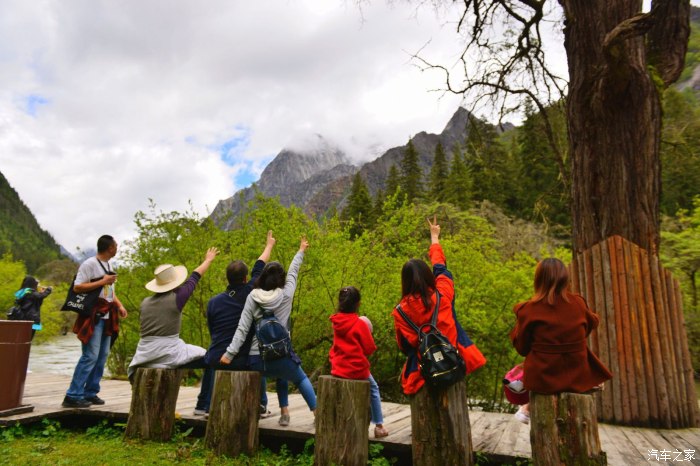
(319, 179)
(20, 233)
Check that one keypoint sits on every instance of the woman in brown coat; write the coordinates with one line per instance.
(551, 331)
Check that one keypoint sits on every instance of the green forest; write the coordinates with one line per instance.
(501, 197)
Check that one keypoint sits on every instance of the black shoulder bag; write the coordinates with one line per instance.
(82, 303)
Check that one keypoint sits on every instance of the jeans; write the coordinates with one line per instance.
(287, 369)
(91, 365)
(375, 402)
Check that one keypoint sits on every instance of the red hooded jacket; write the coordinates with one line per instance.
(352, 343)
(407, 339)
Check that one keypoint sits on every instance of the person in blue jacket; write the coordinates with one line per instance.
(223, 314)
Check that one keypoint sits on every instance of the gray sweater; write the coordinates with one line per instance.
(278, 301)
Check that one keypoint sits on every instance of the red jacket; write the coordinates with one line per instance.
(553, 340)
(352, 343)
(406, 337)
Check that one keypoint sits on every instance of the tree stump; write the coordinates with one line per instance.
(232, 428)
(342, 421)
(153, 398)
(440, 426)
(564, 430)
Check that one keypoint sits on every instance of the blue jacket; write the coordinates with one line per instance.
(223, 313)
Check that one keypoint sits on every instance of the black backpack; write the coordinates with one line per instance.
(440, 363)
(273, 337)
(20, 310)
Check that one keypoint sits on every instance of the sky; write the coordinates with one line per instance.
(106, 105)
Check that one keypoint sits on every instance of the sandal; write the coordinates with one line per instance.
(380, 432)
(284, 420)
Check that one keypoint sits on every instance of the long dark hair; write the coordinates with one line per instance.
(271, 277)
(348, 300)
(551, 281)
(417, 278)
(29, 282)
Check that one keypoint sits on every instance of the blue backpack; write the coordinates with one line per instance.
(273, 337)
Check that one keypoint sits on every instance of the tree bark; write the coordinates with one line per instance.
(614, 114)
(232, 428)
(440, 427)
(342, 420)
(153, 399)
(564, 430)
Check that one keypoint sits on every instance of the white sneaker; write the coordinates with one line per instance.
(200, 412)
(522, 416)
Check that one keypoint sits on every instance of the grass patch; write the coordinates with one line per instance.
(50, 443)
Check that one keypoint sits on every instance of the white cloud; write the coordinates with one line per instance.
(133, 100)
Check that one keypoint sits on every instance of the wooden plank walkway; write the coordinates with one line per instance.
(493, 434)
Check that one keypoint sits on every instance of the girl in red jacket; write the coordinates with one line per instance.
(418, 287)
(352, 343)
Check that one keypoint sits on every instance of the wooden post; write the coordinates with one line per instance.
(232, 428)
(153, 398)
(564, 430)
(440, 427)
(342, 419)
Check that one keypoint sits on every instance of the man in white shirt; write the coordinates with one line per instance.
(97, 330)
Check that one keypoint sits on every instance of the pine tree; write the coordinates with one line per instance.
(378, 205)
(359, 208)
(459, 183)
(543, 195)
(411, 174)
(438, 175)
(392, 181)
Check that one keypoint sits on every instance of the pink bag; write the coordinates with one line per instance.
(513, 387)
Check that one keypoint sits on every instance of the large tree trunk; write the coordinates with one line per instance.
(342, 419)
(564, 430)
(440, 428)
(153, 400)
(232, 428)
(614, 113)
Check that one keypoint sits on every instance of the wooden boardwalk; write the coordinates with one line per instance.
(494, 434)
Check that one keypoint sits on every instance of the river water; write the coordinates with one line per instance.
(58, 356)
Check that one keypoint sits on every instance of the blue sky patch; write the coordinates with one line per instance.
(33, 102)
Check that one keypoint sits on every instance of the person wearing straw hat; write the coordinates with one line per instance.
(160, 345)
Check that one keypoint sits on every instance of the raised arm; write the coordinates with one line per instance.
(208, 259)
(290, 284)
(443, 277)
(267, 252)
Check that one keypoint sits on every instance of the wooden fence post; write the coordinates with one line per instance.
(440, 427)
(564, 430)
(232, 428)
(153, 398)
(342, 420)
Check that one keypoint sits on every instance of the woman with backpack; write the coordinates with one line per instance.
(28, 301)
(421, 290)
(270, 302)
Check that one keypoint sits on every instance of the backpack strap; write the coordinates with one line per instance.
(433, 319)
(407, 319)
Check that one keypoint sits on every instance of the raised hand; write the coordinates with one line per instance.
(211, 254)
(434, 230)
(270, 239)
(304, 244)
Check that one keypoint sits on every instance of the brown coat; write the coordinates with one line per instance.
(553, 340)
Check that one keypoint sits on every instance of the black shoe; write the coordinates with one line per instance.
(96, 400)
(75, 403)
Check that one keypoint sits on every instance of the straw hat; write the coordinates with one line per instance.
(168, 277)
